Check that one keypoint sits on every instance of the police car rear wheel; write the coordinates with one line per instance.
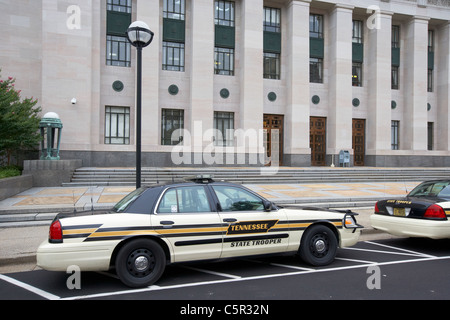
(140, 263)
(318, 246)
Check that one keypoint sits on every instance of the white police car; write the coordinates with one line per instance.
(189, 221)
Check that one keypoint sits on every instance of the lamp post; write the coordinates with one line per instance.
(140, 36)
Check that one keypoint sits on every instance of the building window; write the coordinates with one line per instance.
(357, 33)
(395, 134)
(315, 70)
(174, 9)
(224, 13)
(117, 125)
(272, 43)
(430, 135)
(173, 56)
(118, 51)
(272, 19)
(119, 5)
(357, 74)
(224, 49)
(395, 41)
(316, 26)
(430, 60)
(224, 61)
(172, 125)
(118, 48)
(430, 41)
(394, 80)
(430, 80)
(224, 128)
(271, 65)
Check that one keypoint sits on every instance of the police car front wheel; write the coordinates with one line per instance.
(319, 246)
(140, 263)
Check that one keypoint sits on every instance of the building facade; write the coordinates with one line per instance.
(244, 82)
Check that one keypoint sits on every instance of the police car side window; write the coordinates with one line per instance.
(237, 199)
(184, 200)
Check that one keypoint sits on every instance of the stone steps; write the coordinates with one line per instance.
(126, 176)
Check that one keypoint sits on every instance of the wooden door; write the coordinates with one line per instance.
(359, 141)
(273, 129)
(317, 139)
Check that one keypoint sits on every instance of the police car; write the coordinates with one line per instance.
(423, 213)
(196, 220)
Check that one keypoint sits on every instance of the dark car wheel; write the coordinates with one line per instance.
(140, 263)
(318, 246)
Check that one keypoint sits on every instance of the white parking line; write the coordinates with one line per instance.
(26, 286)
(356, 260)
(291, 267)
(226, 275)
(401, 249)
(287, 274)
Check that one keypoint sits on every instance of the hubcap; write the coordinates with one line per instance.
(141, 262)
(319, 245)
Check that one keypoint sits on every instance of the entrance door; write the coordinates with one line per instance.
(359, 141)
(317, 140)
(273, 129)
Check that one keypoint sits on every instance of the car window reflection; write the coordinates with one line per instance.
(184, 200)
(237, 199)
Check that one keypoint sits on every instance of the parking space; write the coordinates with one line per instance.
(261, 276)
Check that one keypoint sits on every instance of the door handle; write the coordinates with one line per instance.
(166, 223)
(229, 220)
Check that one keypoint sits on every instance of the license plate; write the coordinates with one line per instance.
(400, 212)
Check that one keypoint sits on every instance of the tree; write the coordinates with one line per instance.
(19, 120)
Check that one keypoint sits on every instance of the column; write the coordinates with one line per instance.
(339, 123)
(443, 88)
(148, 12)
(200, 117)
(251, 71)
(414, 127)
(378, 73)
(297, 151)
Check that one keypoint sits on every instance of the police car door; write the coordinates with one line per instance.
(183, 218)
(251, 230)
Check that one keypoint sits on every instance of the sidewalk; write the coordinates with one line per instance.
(24, 218)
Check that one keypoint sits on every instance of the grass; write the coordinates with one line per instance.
(9, 171)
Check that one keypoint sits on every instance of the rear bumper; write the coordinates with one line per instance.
(59, 256)
(407, 227)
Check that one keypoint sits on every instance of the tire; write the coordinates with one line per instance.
(140, 263)
(318, 246)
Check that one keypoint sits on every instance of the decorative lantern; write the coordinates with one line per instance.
(49, 124)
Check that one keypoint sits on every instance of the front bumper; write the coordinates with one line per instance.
(408, 227)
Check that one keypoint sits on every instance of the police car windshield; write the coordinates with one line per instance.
(439, 189)
(123, 204)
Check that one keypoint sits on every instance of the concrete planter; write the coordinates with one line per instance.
(11, 186)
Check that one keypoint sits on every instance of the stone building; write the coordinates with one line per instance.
(246, 82)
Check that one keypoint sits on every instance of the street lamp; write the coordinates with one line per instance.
(140, 36)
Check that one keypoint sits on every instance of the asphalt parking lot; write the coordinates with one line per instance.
(380, 269)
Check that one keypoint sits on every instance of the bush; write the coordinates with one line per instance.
(9, 171)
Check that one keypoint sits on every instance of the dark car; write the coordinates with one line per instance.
(422, 213)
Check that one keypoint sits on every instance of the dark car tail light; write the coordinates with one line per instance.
(376, 208)
(435, 212)
(55, 232)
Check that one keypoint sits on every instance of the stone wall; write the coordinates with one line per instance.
(50, 173)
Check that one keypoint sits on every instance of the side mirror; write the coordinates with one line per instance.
(267, 205)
